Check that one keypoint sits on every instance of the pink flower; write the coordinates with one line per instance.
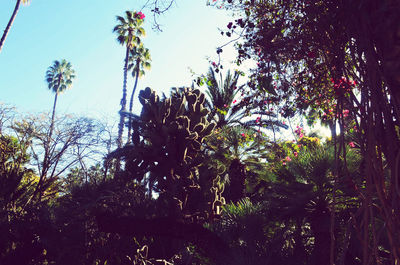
(140, 15)
(284, 163)
(225, 105)
(352, 145)
(243, 135)
(288, 159)
(295, 154)
(234, 101)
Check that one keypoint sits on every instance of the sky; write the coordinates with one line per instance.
(81, 32)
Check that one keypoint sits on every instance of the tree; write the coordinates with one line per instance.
(129, 31)
(243, 153)
(167, 155)
(14, 14)
(6, 116)
(221, 95)
(16, 179)
(59, 77)
(17, 221)
(226, 110)
(73, 142)
(139, 60)
(333, 57)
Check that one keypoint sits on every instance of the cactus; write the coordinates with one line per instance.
(168, 143)
(217, 190)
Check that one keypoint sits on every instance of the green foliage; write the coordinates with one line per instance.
(17, 181)
(226, 107)
(139, 60)
(19, 211)
(167, 144)
(59, 76)
(129, 29)
(242, 226)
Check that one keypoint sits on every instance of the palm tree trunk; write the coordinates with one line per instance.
(237, 176)
(123, 100)
(131, 102)
(3, 38)
(53, 115)
(45, 164)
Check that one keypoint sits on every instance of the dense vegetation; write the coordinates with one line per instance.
(200, 176)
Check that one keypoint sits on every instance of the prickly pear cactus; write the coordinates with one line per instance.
(167, 150)
(217, 190)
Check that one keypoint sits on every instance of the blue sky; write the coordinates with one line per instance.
(81, 32)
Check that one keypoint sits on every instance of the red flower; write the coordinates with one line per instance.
(352, 145)
(140, 15)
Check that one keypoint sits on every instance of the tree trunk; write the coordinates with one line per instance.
(320, 225)
(45, 164)
(237, 187)
(53, 115)
(131, 102)
(14, 14)
(123, 100)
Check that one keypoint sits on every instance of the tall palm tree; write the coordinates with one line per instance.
(129, 31)
(14, 14)
(139, 60)
(59, 77)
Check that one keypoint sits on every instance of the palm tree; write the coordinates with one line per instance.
(302, 193)
(139, 60)
(129, 31)
(243, 155)
(59, 77)
(14, 14)
(221, 95)
(225, 111)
